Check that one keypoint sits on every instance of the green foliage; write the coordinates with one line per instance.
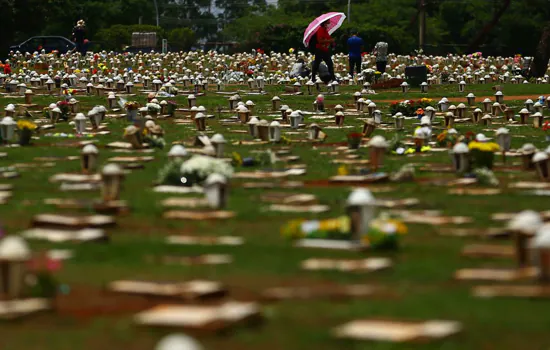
(119, 36)
(450, 25)
(181, 38)
(170, 174)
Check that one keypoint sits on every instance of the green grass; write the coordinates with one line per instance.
(422, 277)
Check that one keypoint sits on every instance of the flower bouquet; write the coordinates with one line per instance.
(354, 140)
(545, 128)
(153, 109)
(483, 154)
(445, 139)
(154, 141)
(486, 177)
(65, 109)
(384, 233)
(198, 168)
(409, 107)
(131, 110)
(25, 128)
(337, 229)
(40, 281)
(238, 160)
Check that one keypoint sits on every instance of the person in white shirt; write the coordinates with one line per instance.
(381, 52)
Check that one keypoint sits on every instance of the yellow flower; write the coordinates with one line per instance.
(292, 229)
(484, 146)
(400, 227)
(343, 170)
(26, 125)
(237, 159)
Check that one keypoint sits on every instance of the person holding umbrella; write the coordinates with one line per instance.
(320, 30)
(322, 51)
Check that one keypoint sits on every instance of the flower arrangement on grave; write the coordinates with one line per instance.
(445, 139)
(343, 170)
(369, 75)
(40, 280)
(131, 106)
(65, 109)
(377, 75)
(546, 127)
(266, 158)
(170, 173)
(406, 173)
(237, 160)
(483, 153)
(397, 147)
(25, 128)
(198, 168)
(486, 177)
(153, 108)
(69, 92)
(444, 76)
(154, 141)
(468, 137)
(409, 107)
(384, 232)
(354, 140)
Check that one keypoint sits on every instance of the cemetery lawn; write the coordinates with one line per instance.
(421, 281)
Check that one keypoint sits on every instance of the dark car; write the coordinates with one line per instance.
(47, 43)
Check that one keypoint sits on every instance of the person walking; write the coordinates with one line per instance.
(79, 31)
(381, 52)
(355, 45)
(322, 51)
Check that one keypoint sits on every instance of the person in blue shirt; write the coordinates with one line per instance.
(355, 45)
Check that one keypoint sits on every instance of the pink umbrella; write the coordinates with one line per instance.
(335, 21)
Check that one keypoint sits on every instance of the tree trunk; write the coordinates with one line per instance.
(542, 55)
(480, 37)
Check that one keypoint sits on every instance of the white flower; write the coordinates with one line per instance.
(153, 107)
(204, 166)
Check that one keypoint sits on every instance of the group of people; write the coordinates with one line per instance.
(321, 44)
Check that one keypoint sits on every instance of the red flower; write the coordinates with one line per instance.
(355, 135)
(546, 126)
(44, 263)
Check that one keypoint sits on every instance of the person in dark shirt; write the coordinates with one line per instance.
(355, 45)
(322, 51)
(78, 36)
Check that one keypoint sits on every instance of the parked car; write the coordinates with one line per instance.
(48, 43)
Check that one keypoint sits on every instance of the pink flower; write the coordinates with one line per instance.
(53, 265)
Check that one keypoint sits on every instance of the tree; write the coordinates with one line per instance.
(181, 38)
(542, 54)
(482, 35)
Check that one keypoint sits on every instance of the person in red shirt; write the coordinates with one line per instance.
(7, 68)
(322, 51)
